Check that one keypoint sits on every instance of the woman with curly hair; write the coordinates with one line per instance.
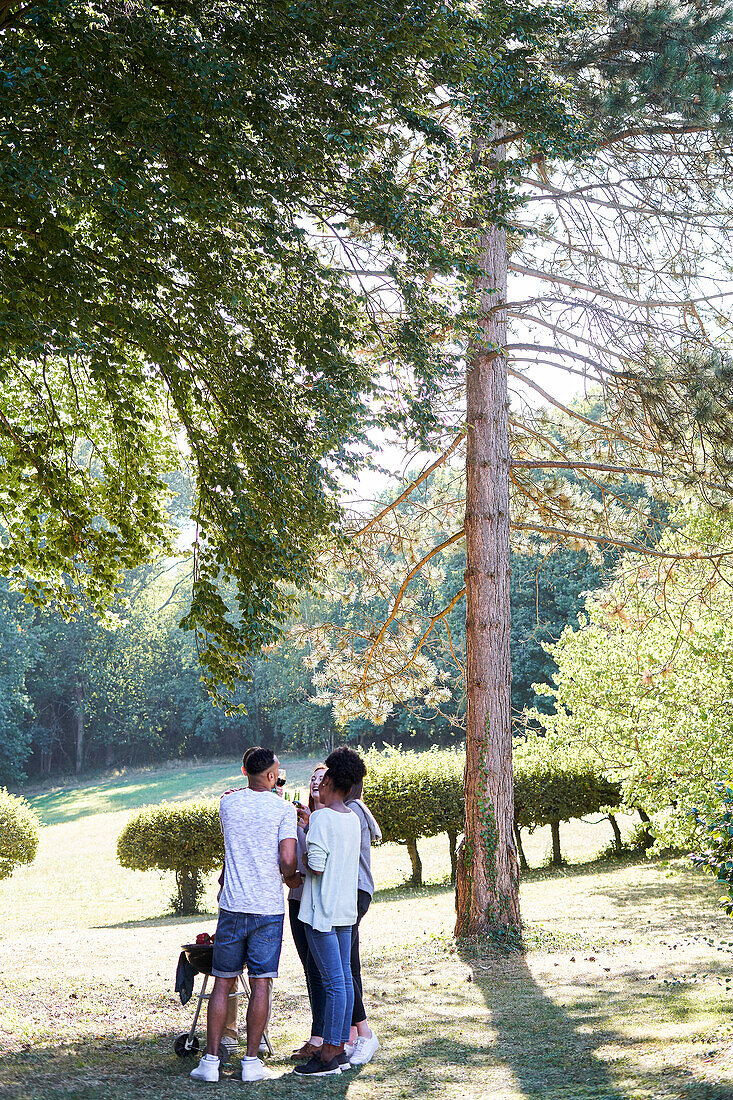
(328, 908)
(314, 985)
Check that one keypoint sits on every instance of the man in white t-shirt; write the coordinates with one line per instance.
(260, 831)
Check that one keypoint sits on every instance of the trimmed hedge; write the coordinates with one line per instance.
(546, 795)
(183, 837)
(19, 826)
(420, 794)
(415, 795)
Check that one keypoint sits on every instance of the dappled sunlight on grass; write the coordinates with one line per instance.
(624, 994)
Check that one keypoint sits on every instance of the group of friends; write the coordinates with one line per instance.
(321, 852)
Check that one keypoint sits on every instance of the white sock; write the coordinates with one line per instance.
(250, 1058)
(210, 1058)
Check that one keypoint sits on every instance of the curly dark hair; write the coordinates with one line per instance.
(345, 768)
(259, 760)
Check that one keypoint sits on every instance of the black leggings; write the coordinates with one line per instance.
(313, 981)
(363, 903)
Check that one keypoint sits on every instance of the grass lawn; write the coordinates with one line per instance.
(625, 991)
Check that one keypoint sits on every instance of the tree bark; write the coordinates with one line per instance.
(618, 844)
(416, 862)
(487, 888)
(79, 720)
(556, 852)
(645, 839)
(453, 847)
(189, 890)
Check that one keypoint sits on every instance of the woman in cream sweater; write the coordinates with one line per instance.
(328, 908)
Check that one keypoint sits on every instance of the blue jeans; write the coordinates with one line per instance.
(247, 938)
(313, 982)
(332, 953)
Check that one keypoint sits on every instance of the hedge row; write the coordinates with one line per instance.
(413, 795)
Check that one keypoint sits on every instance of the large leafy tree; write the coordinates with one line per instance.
(161, 166)
(643, 684)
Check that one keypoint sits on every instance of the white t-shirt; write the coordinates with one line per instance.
(253, 824)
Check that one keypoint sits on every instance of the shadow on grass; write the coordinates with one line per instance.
(602, 865)
(165, 920)
(405, 891)
(552, 1052)
(115, 1068)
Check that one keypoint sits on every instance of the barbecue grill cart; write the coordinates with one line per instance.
(201, 956)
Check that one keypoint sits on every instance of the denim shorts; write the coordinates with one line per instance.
(247, 939)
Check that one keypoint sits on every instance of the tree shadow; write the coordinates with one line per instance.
(403, 891)
(136, 1068)
(553, 1052)
(602, 865)
(165, 920)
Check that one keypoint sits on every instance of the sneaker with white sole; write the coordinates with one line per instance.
(365, 1047)
(207, 1069)
(316, 1068)
(254, 1070)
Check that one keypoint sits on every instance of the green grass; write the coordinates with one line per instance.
(624, 993)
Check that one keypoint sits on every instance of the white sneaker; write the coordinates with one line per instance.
(207, 1069)
(364, 1049)
(254, 1070)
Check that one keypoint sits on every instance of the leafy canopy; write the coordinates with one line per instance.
(166, 176)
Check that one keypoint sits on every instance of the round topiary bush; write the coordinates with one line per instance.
(414, 795)
(183, 837)
(19, 826)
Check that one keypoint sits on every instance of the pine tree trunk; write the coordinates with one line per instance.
(416, 862)
(487, 888)
(79, 718)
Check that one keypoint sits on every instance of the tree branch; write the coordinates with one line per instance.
(412, 486)
(398, 598)
(608, 540)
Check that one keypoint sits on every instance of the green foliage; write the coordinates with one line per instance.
(17, 650)
(414, 795)
(158, 166)
(716, 842)
(544, 793)
(19, 826)
(184, 837)
(643, 686)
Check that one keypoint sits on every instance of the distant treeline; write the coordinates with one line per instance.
(84, 695)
